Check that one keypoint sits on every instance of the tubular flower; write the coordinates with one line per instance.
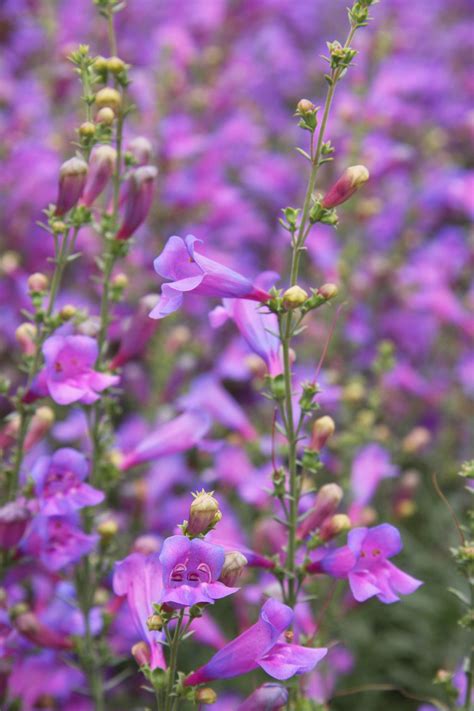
(137, 199)
(189, 271)
(101, 168)
(364, 562)
(191, 570)
(260, 646)
(69, 374)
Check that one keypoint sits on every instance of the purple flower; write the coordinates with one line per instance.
(57, 541)
(190, 271)
(258, 646)
(364, 561)
(14, 518)
(268, 697)
(190, 572)
(139, 577)
(371, 464)
(60, 483)
(171, 437)
(69, 374)
(137, 199)
(259, 328)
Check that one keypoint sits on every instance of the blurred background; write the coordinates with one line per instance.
(215, 85)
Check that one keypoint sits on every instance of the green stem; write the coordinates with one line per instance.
(173, 663)
(90, 663)
(468, 705)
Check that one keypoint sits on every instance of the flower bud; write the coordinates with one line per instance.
(107, 530)
(41, 423)
(147, 544)
(155, 623)
(416, 440)
(138, 197)
(59, 227)
(72, 178)
(115, 65)
(294, 296)
(100, 64)
(14, 518)
(328, 291)
(87, 129)
(120, 281)
(323, 430)
(68, 312)
(141, 653)
(326, 502)
(234, 564)
(141, 149)
(351, 180)
(105, 116)
(101, 167)
(268, 697)
(108, 98)
(206, 696)
(203, 514)
(28, 624)
(305, 106)
(37, 282)
(333, 526)
(25, 334)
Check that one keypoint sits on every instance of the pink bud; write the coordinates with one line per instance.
(204, 513)
(25, 334)
(333, 526)
(72, 178)
(138, 198)
(14, 518)
(234, 564)
(323, 430)
(101, 167)
(350, 181)
(41, 423)
(141, 653)
(326, 502)
(35, 631)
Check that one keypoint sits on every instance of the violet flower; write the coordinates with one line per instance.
(371, 464)
(69, 375)
(268, 697)
(137, 199)
(177, 435)
(191, 569)
(259, 646)
(57, 541)
(139, 577)
(59, 483)
(189, 271)
(364, 562)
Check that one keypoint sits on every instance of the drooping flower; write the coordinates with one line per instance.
(69, 375)
(177, 435)
(364, 562)
(259, 328)
(189, 271)
(72, 178)
(139, 577)
(137, 199)
(260, 646)
(59, 483)
(191, 569)
(101, 167)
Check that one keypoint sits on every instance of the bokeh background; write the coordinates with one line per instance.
(215, 85)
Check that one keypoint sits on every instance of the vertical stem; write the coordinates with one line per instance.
(173, 662)
(468, 705)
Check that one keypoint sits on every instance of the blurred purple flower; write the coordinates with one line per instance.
(57, 541)
(371, 464)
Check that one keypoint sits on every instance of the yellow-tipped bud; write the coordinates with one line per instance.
(68, 312)
(141, 653)
(323, 430)
(108, 98)
(333, 526)
(206, 696)
(416, 440)
(155, 623)
(106, 116)
(351, 180)
(328, 291)
(107, 529)
(305, 106)
(115, 65)
(294, 296)
(100, 64)
(120, 281)
(25, 334)
(234, 564)
(87, 129)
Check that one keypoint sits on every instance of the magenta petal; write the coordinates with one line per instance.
(384, 538)
(338, 562)
(285, 660)
(401, 582)
(363, 585)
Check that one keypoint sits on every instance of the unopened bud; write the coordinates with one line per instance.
(206, 696)
(29, 625)
(68, 312)
(87, 129)
(101, 167)
(72, 178)
(333, 526)
(351, 180)
(59, 227)
(305, 106)
(269, 697)
(107, 529)
(323, 430)
(326, 502)
(141, 653)
(105, 116)
(155, 623)
(234, 564)
(138, 198)
(141, 149)
(108, 98)
(100, 64)
(147, 544)
(41, 423)
(115, 65)
(37, 282)
(294, 296)
(328, 291)
(204, 513)
(120, 281)
(25, 334)
(354, 392)
(416, 440)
